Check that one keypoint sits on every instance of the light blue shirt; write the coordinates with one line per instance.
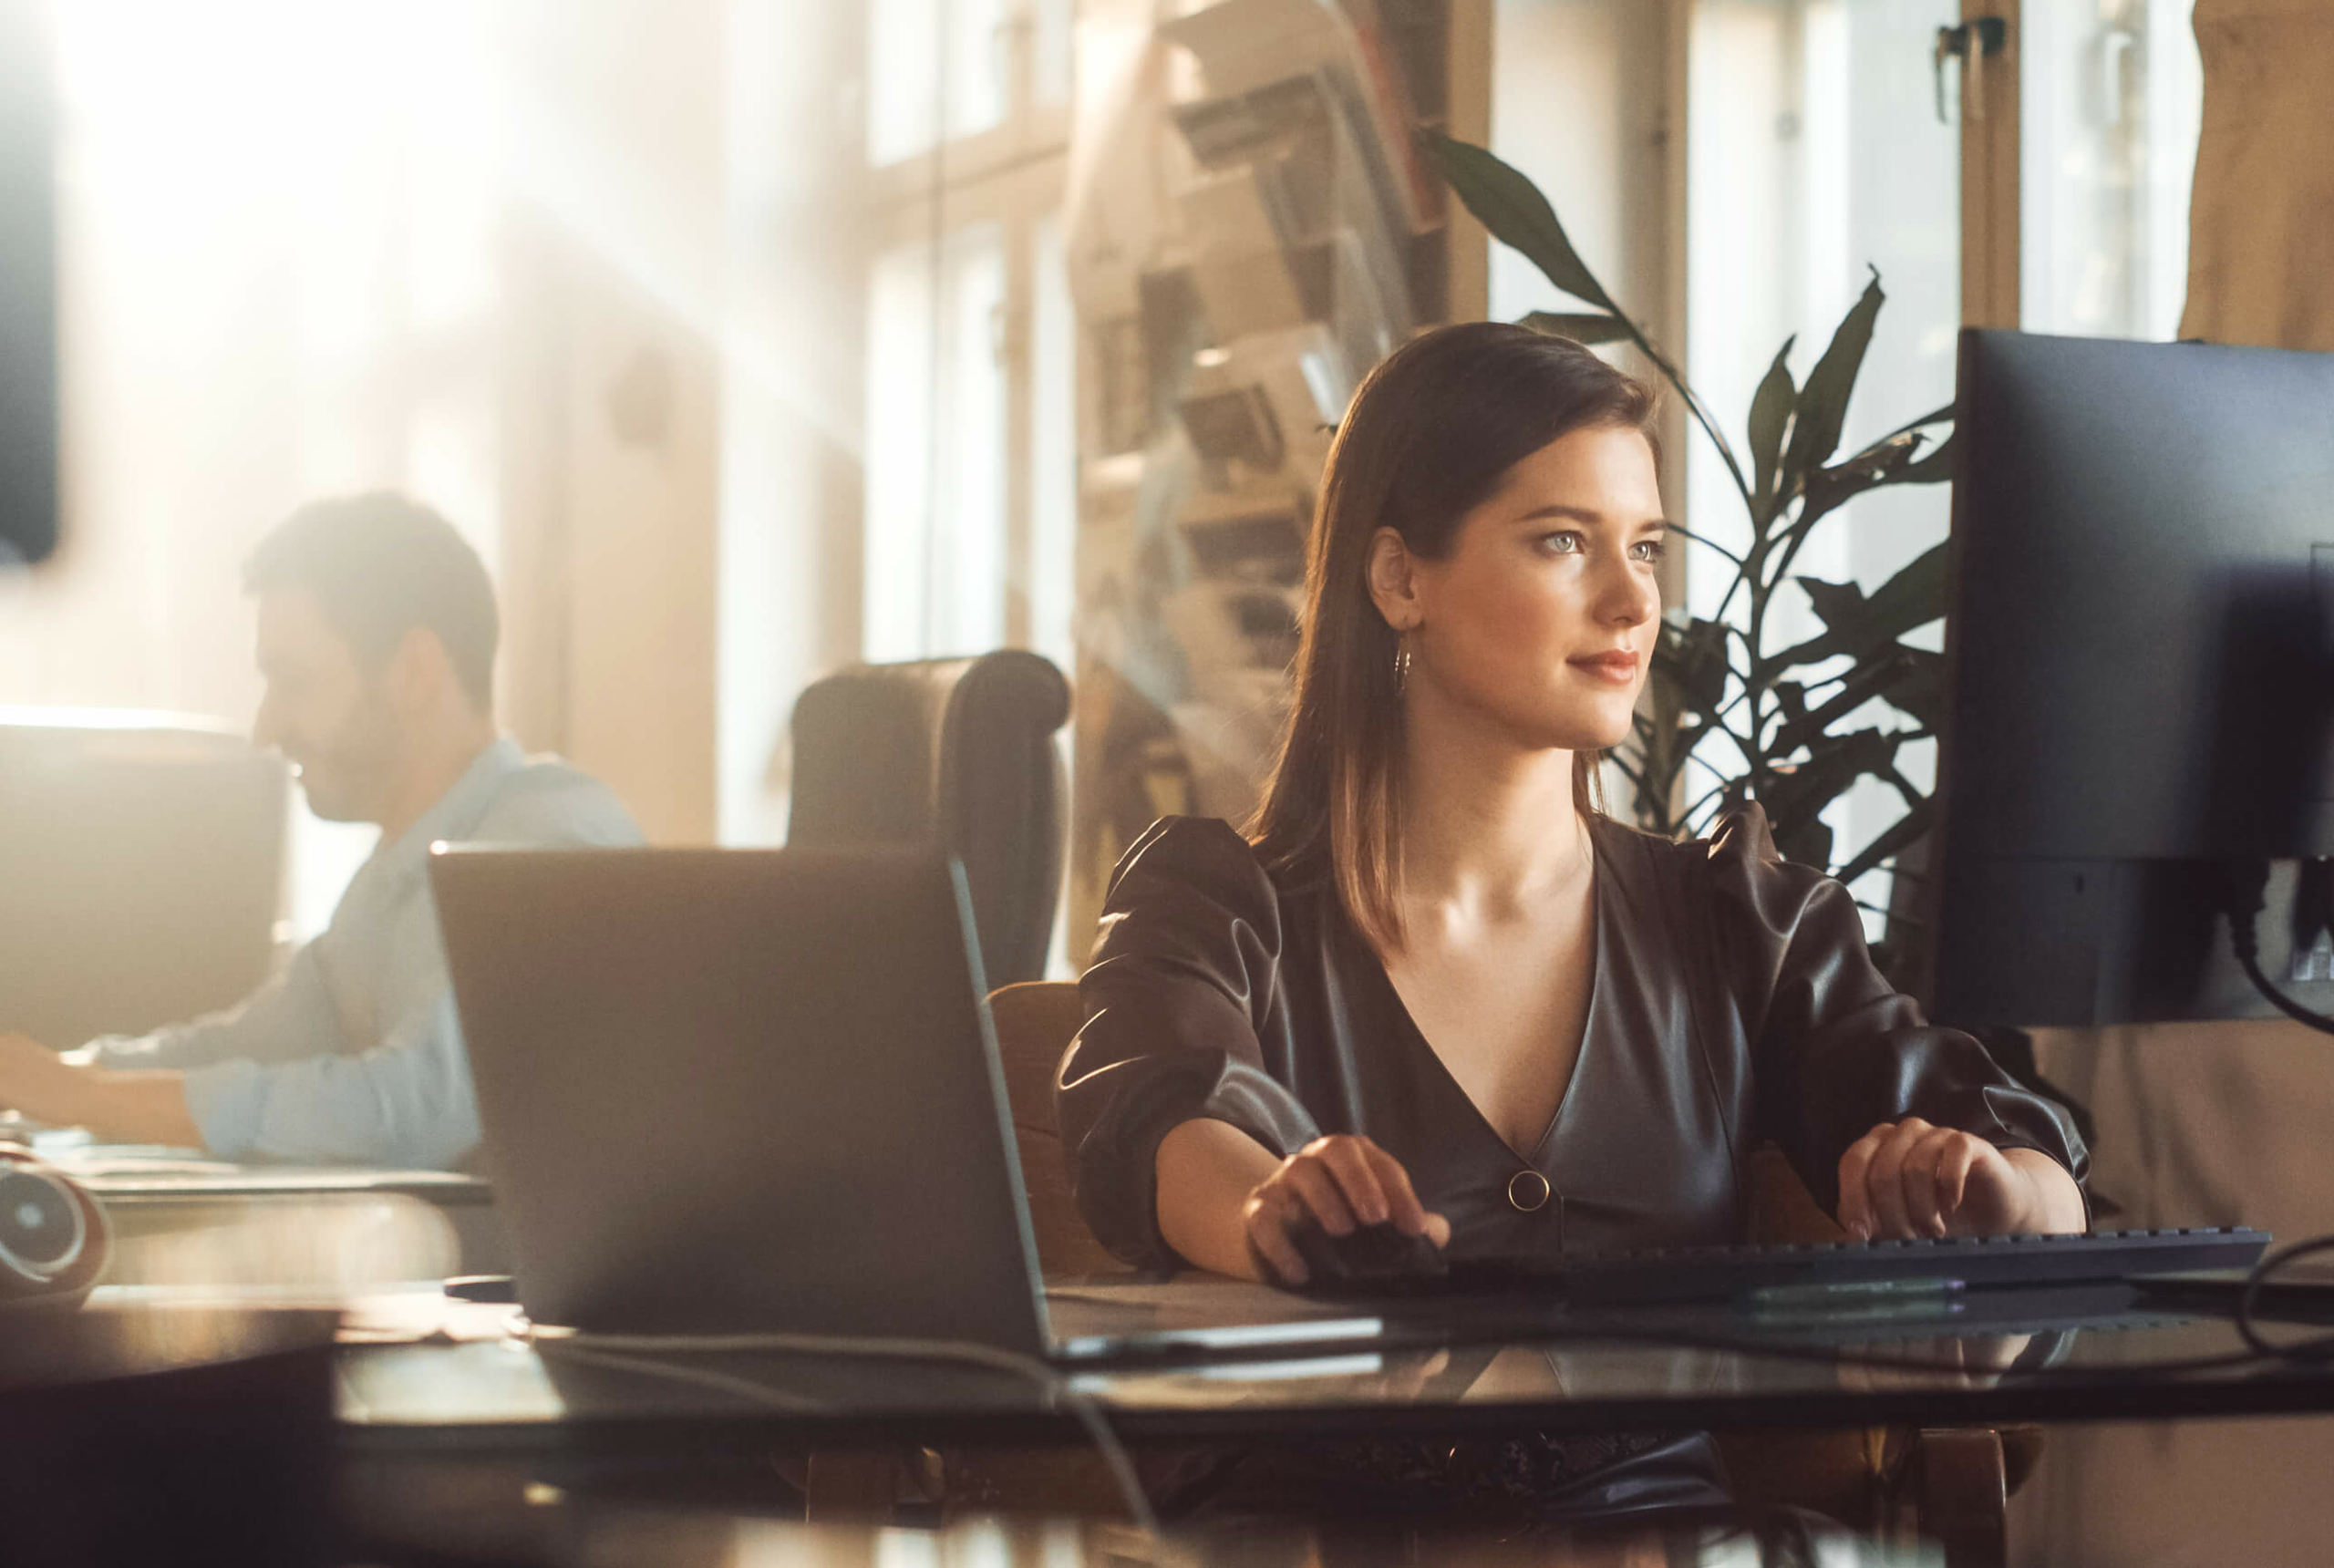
(354, 1053)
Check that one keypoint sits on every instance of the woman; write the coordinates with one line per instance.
(1438, 987)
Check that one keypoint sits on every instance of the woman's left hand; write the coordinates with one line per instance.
(1908, 1178)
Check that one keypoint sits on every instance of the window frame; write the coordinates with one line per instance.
(1013, 175)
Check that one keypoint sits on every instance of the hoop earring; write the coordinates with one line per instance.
(1401, 662)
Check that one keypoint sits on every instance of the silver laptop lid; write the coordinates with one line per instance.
(729, 1091)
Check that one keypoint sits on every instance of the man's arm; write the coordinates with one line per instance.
(290, 1015)
(406, 1103)
(269, 1078)
(131, 1088)
(144, 1106)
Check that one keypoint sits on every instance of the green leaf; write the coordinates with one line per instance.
(1687, 534)
(1933, 417)
(1512, 208)
(1921, 691)
(1932, 469)
(1797, 795)
(1914, 597)
(1664, 740)
(1888, 461)
(1828, 489)
(1875, 463)
(1839, 605)
(1882, 676)
(1592, 329)
(1823, 402)
(1694, 660)
(1892, 839)
(1771, 410)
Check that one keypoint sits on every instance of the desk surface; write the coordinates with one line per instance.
(2056, 1356)
(181, 1219)
(120, 1173)
(416, 1369)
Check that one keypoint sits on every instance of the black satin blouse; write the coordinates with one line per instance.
(1734, 1004)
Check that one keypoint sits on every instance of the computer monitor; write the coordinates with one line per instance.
(142, 870)
(28, 416)
(2141, 584)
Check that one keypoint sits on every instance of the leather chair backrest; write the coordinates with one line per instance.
(1035, 1024)
(959, 751)
(141, 871)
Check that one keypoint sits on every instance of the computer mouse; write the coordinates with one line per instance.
(1378, 1253)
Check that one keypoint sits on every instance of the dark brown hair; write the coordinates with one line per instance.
(1432, 434)
(380, 564)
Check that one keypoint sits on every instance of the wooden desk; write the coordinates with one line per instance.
(416, 1416)
(432, 1395)
(166, 1434)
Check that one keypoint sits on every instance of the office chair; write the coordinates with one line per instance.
(141, 868)
(957, 750)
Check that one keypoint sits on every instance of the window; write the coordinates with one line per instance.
(1818, 140)
(1815, 153)
(970, 450)
(258, 316)
(971, 454)
(2110, 103)
(935, 447)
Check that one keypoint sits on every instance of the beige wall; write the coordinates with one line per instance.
(612, 436)
(639, 393)
(681, 485)
(610, 497)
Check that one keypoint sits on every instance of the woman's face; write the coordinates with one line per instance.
(1542, 617)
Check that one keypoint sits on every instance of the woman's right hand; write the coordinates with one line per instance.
(1339, 1182)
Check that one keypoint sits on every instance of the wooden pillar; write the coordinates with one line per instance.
(1468, 89)
(1990, 191)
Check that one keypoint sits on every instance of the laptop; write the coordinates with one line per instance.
(730, 1091)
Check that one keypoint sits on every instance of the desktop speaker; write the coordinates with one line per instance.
(54, 1239)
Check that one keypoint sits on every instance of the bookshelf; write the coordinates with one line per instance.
(1252, 228)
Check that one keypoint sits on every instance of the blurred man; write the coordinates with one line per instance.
(376, 635)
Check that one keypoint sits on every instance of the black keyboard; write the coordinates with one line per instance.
(1718, 1273)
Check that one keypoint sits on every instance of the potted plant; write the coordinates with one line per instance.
(1733, 713)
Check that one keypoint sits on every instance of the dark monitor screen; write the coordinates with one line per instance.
(2141, 581)
(28, 416)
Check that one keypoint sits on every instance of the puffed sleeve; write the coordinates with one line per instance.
(1835, 1050)
(1178, 995)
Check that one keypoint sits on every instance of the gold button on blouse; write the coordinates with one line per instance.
(1528, 1190)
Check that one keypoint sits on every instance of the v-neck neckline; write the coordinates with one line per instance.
(1600, 933)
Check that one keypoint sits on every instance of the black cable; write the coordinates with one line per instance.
(2317, 1347)
(2283, 1003)
(2247, 881)
(2313, 903)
